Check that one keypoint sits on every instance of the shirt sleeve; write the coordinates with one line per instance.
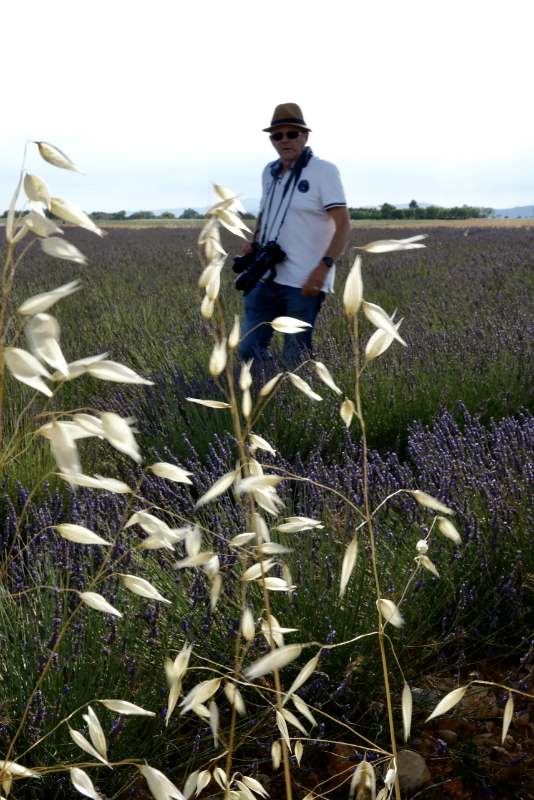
(331, 188)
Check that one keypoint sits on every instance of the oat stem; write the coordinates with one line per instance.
(373, 549)
(240, 438)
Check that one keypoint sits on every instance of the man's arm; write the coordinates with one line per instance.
(247, 248)
(316, 279)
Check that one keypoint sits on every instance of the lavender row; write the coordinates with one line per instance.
(486, 475)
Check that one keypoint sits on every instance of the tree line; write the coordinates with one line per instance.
(385, 211)
(414, 211)
(188, 213)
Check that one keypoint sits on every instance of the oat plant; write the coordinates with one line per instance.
(261, 501)
(257, 552)
(62, 428)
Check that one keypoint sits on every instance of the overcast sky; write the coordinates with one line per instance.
(155, 101)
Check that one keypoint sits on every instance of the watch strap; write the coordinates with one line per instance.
(328, 261)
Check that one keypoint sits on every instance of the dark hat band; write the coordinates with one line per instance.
(288, 121)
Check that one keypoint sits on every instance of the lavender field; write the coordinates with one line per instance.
(451, 414)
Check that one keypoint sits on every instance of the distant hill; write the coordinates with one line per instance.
(175, 211)
(511, 213)
(515, 213)
(407, 205)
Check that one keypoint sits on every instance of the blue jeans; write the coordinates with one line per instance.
(268, 301)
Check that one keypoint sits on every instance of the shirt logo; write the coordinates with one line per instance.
(303, 186)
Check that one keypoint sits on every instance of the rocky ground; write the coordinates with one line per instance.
(461, 754)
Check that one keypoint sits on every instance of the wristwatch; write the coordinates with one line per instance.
(328, 261)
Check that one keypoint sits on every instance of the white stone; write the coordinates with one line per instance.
(412, 770)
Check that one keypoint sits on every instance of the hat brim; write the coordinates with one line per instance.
(287, 122)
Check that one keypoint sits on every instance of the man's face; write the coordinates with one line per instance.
(289, 149)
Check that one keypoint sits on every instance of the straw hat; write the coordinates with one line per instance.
(287, 114)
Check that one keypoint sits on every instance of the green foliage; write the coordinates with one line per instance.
(87, 667)
(388, 211)
(190, 213)
(17, 213)
(142, 215)
(108, 215)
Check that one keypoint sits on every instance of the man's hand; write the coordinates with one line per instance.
(247, 248)
(315, 281)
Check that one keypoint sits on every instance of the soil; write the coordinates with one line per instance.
(463, 748)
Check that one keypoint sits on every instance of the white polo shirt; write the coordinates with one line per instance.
(308, 227)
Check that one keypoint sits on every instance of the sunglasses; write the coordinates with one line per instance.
(277, 137)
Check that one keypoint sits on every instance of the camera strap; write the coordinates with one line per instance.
(293, 179)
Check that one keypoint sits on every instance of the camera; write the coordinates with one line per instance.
(241, 263)
(254, 265)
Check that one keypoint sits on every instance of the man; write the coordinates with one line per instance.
(303, 208)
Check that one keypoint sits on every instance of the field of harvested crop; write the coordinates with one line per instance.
(451, 414)
(445, 223)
